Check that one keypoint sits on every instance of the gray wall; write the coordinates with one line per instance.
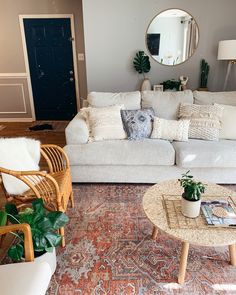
(11, 50)
(114, 30)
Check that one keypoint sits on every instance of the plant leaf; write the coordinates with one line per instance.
(44, 224)
(11, 209)
(39, 241)
(16, 252)
(38, 207)
(3, 218)
(58, 219)
(53, 239)
(141, 63)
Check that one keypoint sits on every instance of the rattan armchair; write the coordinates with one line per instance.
(54, 186)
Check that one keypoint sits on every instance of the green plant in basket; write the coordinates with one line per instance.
(192, 189)
(44, 227)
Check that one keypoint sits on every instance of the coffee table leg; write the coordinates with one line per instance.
(183, 262)
(154, 233)
(232, 254)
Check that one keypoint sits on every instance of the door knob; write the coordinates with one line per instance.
(71, 72)
(71, 79)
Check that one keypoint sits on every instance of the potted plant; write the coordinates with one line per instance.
(44, 227)
(204, 75)
(171, 85)
(191, 197)
(142, 65)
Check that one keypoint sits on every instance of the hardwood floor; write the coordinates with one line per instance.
(18, 129)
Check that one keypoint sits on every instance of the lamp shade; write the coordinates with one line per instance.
(227, 50)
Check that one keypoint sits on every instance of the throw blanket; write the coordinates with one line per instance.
(19, 154)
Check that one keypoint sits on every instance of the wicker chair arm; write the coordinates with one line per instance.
(28, 243)
(42, 184)
(55, 157)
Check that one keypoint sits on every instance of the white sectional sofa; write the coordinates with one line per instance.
(150, 160)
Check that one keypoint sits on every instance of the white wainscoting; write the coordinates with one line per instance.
(15, 101)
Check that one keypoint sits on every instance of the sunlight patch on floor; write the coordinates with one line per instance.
(224, 287)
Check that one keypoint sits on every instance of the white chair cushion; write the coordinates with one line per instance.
(29, 278)
(19, 154)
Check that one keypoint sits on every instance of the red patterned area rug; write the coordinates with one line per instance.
(109, 251)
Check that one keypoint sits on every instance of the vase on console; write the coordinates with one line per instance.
(146, 84)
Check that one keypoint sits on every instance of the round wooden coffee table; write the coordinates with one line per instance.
(155, 211)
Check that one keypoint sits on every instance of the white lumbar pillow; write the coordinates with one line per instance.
(106, 123)
(228, 122)
(19, 154)
(170, 129)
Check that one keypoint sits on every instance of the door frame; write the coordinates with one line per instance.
(75, 64)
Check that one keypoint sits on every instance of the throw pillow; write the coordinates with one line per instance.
(228, 122)
(106, 123)
(204, 120)
(138, 123)
(170, 129)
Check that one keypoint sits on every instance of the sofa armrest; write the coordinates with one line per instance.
(77, 131)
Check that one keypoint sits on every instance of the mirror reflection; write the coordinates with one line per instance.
(172, 37)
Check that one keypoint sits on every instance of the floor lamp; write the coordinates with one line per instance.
(227, 51)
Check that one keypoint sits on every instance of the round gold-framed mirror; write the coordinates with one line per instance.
(172, 37)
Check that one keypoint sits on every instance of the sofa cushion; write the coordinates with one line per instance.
(130, 100)
(138, 123)
(122, 152)
(204, 154)
(207, 97)
(166, 104)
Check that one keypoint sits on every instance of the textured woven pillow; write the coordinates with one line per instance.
(138, 123)
(170, 129)
(106, 123)
(204, 120)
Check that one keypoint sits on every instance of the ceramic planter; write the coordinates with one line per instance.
(146, 85)
(50, 258)
(190, 209)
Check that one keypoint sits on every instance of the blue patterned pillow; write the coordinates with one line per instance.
(138, 123)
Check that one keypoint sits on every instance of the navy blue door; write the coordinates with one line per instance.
(49, 47)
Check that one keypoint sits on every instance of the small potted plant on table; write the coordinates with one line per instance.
(44, 227)
(191, 197)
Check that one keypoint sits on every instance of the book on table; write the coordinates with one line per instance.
(219, 213)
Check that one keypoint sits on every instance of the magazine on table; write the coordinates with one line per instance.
(219, 213)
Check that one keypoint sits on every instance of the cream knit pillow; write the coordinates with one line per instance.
(106, 123)
(204, 120)
(170, 129)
